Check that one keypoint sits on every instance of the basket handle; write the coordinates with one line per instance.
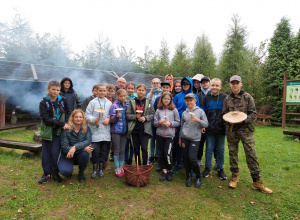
(137, 163)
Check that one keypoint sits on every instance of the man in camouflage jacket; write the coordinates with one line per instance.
(241, 101)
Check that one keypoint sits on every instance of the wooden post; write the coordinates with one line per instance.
(284, 100)
(3, 99)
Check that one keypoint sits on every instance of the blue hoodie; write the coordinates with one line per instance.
(179, 98)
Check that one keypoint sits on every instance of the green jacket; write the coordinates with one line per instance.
(131, 116)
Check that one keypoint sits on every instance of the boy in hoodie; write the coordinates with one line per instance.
(54, 112)
(187, 86)
(69, 94)
(215, 133)
(90, 98)
(193, 120)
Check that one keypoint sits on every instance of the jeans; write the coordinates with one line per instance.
(50, 154)
(128, 150)
(215, 142)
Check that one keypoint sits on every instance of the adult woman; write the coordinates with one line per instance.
(75, 145)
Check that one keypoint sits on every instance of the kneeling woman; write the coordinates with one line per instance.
(75, 145)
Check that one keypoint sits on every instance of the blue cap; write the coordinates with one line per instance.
(165, 83)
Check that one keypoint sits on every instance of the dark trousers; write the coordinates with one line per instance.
(165, 148)
(140, 140)
(128, 150)
(99, 152)
(109, 146)
(190, 149)
(201, 147)
(65, 165)
(50, 154)
(178, 149)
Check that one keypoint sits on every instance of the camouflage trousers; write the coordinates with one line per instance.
(246, 136)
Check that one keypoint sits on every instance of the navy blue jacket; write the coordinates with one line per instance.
(212, 107)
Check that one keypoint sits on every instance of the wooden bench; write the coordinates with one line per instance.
(31, 147)
(295, 133)
(28, 126)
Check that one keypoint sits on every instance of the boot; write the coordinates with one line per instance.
(260, 186)
(117, 163)
(188, 182)
(101, 174)
(94, 174)
(81, 176)
(235, 179)
(198, 182)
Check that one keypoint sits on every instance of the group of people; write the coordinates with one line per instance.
(177, 116)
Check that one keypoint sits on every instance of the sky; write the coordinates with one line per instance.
(137, 23)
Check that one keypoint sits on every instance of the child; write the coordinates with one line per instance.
(110, 95)
(139, 123)
(153, 95)
(54, 112)
(111, 91)
(166, 119)
(187, 86)
(197, 85)
(177, 88)
(119, 130)
(75, 146)
(215, 133)
(90, 98)
(239, 100)
(70, 94)
(130, 89)
(100, 128)
(192, 121)
(169, 77)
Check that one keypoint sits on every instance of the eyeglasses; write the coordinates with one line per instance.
(155, 83)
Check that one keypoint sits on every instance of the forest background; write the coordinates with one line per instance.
(261, 68)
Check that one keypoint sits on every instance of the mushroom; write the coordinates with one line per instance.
(234, 118)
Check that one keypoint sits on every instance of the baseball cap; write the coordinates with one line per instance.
(185, 81)
(190, 95)
(198, 77)
(205, 78)
(236, 78)
(165, 83)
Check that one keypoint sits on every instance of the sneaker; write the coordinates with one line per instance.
(222, 175)
(177, 168)
(81, 176)
(260, 186)
(235, 179)
(200, 163)
(118, 172)
(111, 158)
(44, 179)
(151, 160)
(57, 178)
(206, 172)
(122, 172)
(158, 168)
(163, 176)
(169, 175)
(106, 166)
(155, 160)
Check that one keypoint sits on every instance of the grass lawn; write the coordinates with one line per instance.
(110, 197)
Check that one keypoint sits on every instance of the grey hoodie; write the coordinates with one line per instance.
(191, 130)
(172, 116)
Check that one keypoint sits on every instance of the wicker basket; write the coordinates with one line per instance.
(137, 175)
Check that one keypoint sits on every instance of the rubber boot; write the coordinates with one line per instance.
(94, 174)
(121, 163)
(101, 174)
(117, 164)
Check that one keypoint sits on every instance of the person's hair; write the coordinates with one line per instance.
(161, 105)
(120, 91)
(100, 85)
(84, 123)
(95, 86)
(151, 91)
(176, 81)
(141, 85)
(130, 83)
(110, 86)
(217, 79)
(53, 83)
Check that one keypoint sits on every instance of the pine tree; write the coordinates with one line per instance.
(181, 62)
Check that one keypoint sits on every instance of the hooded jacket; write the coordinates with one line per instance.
(71, 96)
(172, 116)
(191, 130)
(179, 98)
(118, 125)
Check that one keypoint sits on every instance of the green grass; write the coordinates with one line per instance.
(112, 198)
